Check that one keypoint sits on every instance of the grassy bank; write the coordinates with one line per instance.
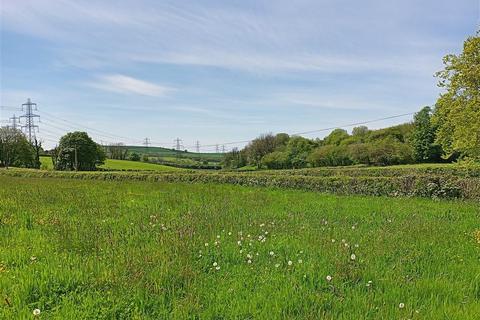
(108, 250)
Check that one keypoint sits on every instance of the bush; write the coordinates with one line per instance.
(134, 157)
(276, 160)
(330, 155)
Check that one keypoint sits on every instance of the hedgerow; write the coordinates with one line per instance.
(422, 185)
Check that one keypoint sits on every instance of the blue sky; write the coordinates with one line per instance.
(220, 71)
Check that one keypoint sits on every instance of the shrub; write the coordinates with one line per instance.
(330, 155)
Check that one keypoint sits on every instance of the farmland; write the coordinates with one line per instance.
(104, 249)
(115, 165)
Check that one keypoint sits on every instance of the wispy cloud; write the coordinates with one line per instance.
(124, 84)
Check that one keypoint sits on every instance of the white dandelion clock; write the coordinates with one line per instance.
(353, 257)
(36, 312)
(329, 278)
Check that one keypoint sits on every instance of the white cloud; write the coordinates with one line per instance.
(124, 84)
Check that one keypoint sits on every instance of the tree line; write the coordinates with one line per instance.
(447, 131)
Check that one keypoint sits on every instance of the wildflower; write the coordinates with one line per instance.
(356, 245)
(218, 236)
(353, 227)
(300, 260)
(346, 245)
(249, 261)
(33, 258)
(401, 305)
(333, 240)
(369, 283)
(36, 312)
(239, 242)
(343, 240)
(266, 232)
(353, 256)
(215, 264)
(290, 262)
(229, 233)
(271, 253)
(329, 278)
(217, 268)
(206, 244)
(277, 265)
(301, 251)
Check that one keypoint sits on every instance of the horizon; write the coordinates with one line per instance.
(217, 72)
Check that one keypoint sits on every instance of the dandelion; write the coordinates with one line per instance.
(356, 245)
(206, 244)
(249, 261)
(277, 265)
(353, 227)
(266, 232)
(217, 268)
(239, 242)
(333, 240)
(229, 233)
(271, 253)
(290, 262)
(401, 305)
(369, 283)
(343, 240)
(300, 260)
(329, 278)
(353, 256)
(346, 245)
(33, 258)
(36, 312)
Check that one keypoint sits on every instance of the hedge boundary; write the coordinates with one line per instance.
(419, 185)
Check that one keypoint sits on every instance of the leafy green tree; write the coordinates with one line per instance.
(260, 147)
(77, 151)
(336, 137)
(15, 150)
(298, 149)
(276, 160)
(423, 137)
(457, 111)
(330, 155)
(134, 157)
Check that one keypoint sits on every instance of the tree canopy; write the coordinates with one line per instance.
(457, 111)
(77, 151)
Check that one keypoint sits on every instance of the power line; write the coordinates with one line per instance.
(15, 121)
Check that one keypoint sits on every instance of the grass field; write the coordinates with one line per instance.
(118, 165)
(137, 250)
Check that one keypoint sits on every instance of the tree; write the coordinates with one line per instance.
(423, 137)
(15, 150)
(134, 157)
(330, 155)
(298, 149)
(457, 111)
(259, 147)
(117, 151)
(276, 160)
(77, 151)
(336, 136)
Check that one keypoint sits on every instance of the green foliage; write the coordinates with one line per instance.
(423, 138)
(15, 150)
(336, 137)
(134, 157)
(390, 152)
(330, 155)
(77, 151)
(260, 147)
(457, 111)
(298, 149)
(276, 160)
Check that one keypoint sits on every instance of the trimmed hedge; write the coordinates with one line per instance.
(432, 186)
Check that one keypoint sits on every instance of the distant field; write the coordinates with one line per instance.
(139, 250)
(118, 165)
(170, 153)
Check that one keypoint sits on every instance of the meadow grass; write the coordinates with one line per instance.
(138, 250)
(112, 164)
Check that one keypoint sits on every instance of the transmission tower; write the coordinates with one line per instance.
(223, 148)
(29, 116)
(178, 144)
(216, 148)
(14, 121)
(146, 142)
(197, 146)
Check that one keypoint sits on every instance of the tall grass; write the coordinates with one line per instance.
(80, 249)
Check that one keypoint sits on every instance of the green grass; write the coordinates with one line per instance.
(118, 165)
(135, 165)
(137, 250)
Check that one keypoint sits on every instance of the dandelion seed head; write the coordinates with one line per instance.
(353, 256)
(271, 253)
(290, 262)
(401, 305)
(36, 312)
(329, 278)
